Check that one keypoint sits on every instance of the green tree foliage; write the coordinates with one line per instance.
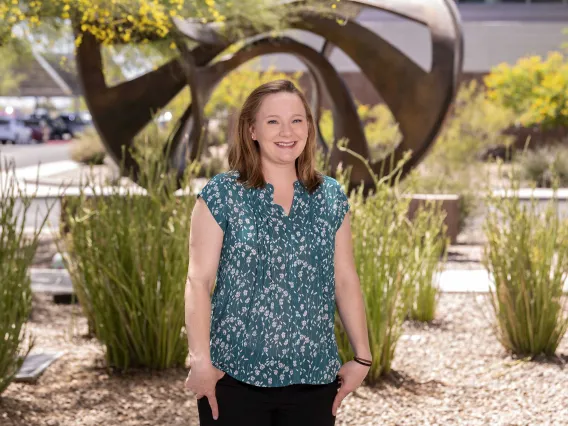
(15, 56)
(10, 78)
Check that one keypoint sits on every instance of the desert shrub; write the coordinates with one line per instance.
(527, 254)
(535, 89)
(396, 260)
(127, 256)
(452, 165)
(212, 165)
(380, 126)
(542, 164)
(88, 148)
(17, 250)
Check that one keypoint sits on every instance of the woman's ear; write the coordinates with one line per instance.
(252, 132)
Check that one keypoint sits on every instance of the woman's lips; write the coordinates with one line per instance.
(285, 145)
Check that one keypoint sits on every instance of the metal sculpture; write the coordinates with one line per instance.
(418, 99)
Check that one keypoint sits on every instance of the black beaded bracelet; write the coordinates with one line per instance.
(362, 361)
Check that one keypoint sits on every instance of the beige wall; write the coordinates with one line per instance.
(486, 44)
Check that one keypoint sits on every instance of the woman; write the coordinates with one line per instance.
(275, 235)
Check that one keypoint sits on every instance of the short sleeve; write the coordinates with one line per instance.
(214, 193)
(342, 206)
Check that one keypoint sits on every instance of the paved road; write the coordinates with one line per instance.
(26, 159)
(31, 155)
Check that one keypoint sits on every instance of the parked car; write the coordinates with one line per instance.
(13, 130)
(36, 127)
(74, 122)
(53, 128)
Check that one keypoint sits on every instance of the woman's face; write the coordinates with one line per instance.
(281, 128)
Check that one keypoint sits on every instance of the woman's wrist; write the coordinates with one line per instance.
(364, 354)
(367, 362)
(199, 359)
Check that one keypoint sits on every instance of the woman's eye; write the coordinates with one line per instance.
(271, 121)
(299, 120)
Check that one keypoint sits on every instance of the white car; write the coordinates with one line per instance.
(13, 130)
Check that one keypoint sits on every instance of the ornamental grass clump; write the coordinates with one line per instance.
(17, 250)
(527, 254)
(128, 256)
(395, 260)
(427, 251)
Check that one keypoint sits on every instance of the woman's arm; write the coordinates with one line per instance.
(205, 243)
(351, 307)
(349, 298)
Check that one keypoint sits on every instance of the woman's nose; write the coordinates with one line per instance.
(285, 129)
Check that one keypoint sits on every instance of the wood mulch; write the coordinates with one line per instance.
(449, 372)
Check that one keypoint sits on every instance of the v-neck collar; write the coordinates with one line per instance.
(270, 188)
(265, 198)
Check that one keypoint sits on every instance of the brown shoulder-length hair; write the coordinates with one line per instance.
(244, 152)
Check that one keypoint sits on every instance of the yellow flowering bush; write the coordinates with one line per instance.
(536, 89)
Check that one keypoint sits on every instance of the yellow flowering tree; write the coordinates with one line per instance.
(536, 89)
(125, 21)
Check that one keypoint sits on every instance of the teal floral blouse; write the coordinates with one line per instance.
(273, 306)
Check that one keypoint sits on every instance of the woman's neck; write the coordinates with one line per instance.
(280, 176)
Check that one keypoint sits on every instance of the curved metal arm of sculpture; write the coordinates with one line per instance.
(418, 99)
(121, 112)
(316, 100)
(346, 120)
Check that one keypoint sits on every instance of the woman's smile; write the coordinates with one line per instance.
(286, 145)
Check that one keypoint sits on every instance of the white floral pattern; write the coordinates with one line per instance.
(273, 306)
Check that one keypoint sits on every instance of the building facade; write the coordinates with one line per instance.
(495, 31)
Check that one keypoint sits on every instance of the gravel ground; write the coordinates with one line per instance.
(449, 372)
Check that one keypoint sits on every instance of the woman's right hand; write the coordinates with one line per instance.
(202, 380)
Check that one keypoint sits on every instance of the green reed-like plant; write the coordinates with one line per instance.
(17, 250)
(427, 257)
(527, 254)
(393, 257)
(128, 256)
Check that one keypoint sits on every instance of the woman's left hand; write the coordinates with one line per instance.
(351, 375)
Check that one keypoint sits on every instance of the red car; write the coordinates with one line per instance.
(35, 125)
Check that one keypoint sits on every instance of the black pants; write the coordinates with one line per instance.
(294, 405)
